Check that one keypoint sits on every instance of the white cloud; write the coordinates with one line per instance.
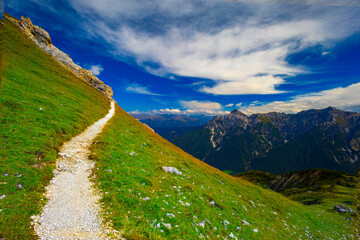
(240, 59)
(190, 108)
(168, 111)
(139, 89)
(211, 112)
(346, 98)
(239, 104)
(201, 105)
(245, 55)
(96, 69)
(229, 105)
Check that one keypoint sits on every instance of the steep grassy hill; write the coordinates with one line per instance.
(41, 105)
(145, 202)
(320, 187)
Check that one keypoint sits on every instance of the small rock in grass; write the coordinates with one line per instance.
(109, 170)
(226, 222)
(172, 170)
(6, 174)
(255, 230)
(342, 208)
(146, 199)
(40, 108)
(245, 222)
(19, 175)
(167, 225)
(171, 215)
(187, 204)
(19, 186)
(3, 196)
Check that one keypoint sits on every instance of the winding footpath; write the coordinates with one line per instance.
(73, 210)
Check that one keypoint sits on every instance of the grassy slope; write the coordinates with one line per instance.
(129, 160)
(334, 187)
(30, 137)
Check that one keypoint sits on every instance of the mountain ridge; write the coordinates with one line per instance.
(239, 142)
(42, 38)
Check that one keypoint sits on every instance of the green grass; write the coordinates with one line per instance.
(260, 178)
(328, 189)
(228, 172)
(41, 105)
(138, 195)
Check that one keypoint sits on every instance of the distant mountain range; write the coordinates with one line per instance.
(277, 142)
(172, 120)
(171, 126)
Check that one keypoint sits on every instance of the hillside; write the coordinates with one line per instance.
(323, 188)
(145, 202)
(276, 142)
(42, 104)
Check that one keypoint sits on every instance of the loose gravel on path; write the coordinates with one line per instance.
(72, 210)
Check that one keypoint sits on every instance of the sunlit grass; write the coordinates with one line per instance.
(41, 106)
(141, 199)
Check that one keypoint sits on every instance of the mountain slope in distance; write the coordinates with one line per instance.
(278, 142)
(321, 187)
(169, 120)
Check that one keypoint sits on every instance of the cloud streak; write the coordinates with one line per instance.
(192, 107)
(139, 89)
(345, 98)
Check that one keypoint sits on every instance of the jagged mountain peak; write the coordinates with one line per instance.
(323, 138)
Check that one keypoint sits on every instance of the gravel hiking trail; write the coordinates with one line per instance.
(73, 210)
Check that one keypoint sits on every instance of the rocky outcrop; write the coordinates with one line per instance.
(292, 180)
(43, 40)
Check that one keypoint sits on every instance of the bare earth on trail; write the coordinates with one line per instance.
(72, 210)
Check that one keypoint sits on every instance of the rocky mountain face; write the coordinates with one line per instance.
(43, 40)
(277, 142)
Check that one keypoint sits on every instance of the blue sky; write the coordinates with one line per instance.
(209, 57)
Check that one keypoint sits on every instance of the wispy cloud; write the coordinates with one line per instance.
(200, 105)
(193, 107)
(346, 98)
(244, 55)
(139, 89)
(96, 69)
